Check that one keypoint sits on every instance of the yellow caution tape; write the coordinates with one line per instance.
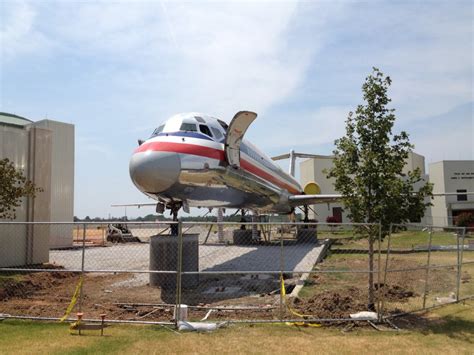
(73, 300)
(303, 324)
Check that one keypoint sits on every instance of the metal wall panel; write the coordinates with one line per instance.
(14, 146)
(40, 207)
(29, 148)
(62, 180)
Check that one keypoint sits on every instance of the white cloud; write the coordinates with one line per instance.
(211, 57)
(18, 35)
(235, 57)
(320, 127)
(448, 136)
(86, 146)
(431, 58)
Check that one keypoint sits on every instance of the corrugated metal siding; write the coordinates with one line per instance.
(40, 208)
(62, 180)
(14, 146)
(62, 170)
(30, 150)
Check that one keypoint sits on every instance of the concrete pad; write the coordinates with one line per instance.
(296, 258)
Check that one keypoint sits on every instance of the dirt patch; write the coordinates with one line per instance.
(465, 277)
(119, 297)
(394, 292)
(21, 286)
(333, 304)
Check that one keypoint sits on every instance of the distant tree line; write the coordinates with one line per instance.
(157, 217)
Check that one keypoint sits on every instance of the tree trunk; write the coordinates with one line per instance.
(371, 300)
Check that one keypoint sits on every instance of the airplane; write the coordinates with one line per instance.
(196, 160)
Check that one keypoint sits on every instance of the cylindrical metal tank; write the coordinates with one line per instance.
(245, 236)
(307, 235)
(164, 257)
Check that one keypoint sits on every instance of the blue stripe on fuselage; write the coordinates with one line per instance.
(186, 134)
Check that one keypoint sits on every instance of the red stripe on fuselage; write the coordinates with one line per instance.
(194, 149)
(183, 148)
(246, 165)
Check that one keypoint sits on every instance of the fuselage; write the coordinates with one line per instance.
(184, 162)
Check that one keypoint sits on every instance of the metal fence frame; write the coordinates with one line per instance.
(378, 272)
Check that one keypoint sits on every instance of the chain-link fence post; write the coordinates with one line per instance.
(371, 301)
(460, 257)
(379, 270)
(282, 265)
(83, 259)
(179, 269)
(389, 240)
(428, 263)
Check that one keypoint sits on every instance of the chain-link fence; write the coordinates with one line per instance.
(240, 272)
(433, 264)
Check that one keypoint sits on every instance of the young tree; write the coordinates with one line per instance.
(13, 187)
(368, 167)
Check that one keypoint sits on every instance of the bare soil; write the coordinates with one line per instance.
(48, 294)
(333, 304)
(327, 295)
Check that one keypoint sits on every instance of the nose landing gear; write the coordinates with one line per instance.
(174, 212)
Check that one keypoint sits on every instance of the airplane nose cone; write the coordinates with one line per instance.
(154, 172)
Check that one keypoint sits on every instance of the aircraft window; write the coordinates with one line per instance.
(204, 129)
(223, 124)
(199, 119)
(190, 127)
(217, 133)
(158, 130)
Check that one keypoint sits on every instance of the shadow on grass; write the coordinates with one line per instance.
(454, 327)
(459, 327)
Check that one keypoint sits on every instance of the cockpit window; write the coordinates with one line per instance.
(204, 129)
(199, 119)
(190, 127)
(217, 133)
(223, 124)
(158, 130)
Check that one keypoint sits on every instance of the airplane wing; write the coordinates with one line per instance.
(135, 204)
(299, 200)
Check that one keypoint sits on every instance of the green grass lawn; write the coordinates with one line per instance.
(399, 240)
(448, 330)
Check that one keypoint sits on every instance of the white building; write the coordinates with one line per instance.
(447, 176)
(451, 176)
(44, 150)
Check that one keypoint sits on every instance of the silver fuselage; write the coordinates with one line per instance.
(190, 167)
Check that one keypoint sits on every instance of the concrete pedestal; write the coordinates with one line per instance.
(164, 257)
(307, 235)
(244, 236)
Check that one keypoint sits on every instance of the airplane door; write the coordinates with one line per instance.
(237, 128)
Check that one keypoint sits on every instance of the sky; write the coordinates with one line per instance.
(116, 69)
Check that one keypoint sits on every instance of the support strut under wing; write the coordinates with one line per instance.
(237, 128)
(300, 200)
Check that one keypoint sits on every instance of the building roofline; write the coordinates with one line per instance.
(452, 160)
(15, 116)
(54, 121)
